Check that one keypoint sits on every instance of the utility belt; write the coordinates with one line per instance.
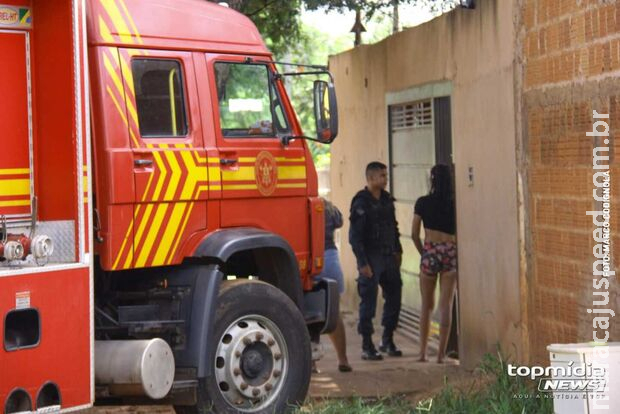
(380, 250)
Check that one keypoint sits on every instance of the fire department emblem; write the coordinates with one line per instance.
(266, 172)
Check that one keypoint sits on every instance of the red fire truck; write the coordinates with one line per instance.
(160, 223)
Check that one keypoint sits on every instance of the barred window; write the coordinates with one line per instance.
(411, 115)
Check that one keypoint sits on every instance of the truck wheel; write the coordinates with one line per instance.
(261, 352)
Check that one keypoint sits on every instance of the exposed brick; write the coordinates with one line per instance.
(531, 42)
(591, 25)
(542, 11)
(603, 57)
(570, 7)
(529, 14)
(577, 29)
(552, 39)
(556, 305)
(535, 117)
(606, 52)
(562, 244)
(582, 63)
(569, 214)
(607, 18)
(564, 181)
(543, 36)
(614, 51)
(614, 111)
(568, 46)
(534, 148)
(595, 60)
(564, 33)
(553, 9)
(533, 73)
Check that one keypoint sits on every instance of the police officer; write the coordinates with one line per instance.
(375, 240)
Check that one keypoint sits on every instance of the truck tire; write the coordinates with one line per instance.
(260, 352)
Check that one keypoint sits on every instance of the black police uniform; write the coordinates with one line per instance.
(375, 240)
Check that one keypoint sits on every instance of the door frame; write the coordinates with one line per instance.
(29, 98)
(443, 153)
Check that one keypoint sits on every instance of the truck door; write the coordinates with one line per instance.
(264, 182)
(170, 163)
(15, 124)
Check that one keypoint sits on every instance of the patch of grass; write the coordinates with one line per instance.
(492, 391)
(499, 394)
(386, 405)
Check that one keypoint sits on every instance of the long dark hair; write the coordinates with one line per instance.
(441, 182)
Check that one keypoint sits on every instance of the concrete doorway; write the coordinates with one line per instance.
(420, 136)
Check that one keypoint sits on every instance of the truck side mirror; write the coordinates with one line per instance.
(325, 111)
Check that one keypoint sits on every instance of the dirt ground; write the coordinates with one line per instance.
(392, 376)
(402, 376)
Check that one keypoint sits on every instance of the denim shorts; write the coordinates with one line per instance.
(332, 269)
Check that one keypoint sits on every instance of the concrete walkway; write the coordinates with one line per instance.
(403, 375)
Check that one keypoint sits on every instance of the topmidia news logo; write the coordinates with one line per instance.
(571, 378)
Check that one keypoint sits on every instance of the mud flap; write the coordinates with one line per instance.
(321, 306)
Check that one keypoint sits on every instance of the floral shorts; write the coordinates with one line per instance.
(438, 257)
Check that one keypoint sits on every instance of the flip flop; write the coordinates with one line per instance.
(344, 368)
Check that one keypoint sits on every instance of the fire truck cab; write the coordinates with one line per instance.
(160, 225)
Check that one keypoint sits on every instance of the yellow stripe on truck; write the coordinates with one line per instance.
(117, 19)
(166, 241)
(242, 174)
(150, 237)
(292, 173)
(15, 187)
(14, 203)
(14, 171)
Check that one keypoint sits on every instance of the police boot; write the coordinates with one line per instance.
(388, 347)
(369, 352)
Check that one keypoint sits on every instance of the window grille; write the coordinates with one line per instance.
(412, 115)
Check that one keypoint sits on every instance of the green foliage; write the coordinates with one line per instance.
(387, 405)
(370, 7)
(288, 39)
(279, 20)
(499, 394)
(494, 393)
(314, 47)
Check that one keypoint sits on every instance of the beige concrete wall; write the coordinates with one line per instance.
(475, 50)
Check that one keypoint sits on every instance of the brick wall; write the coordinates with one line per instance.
(570, 54)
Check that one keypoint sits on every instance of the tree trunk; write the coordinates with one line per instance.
(358, 27)
(395, 17)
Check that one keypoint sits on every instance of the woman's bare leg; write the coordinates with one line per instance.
(427, 289)
(447, 287)
(339, 339)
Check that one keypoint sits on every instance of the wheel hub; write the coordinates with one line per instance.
(251, 363)
(257, 359)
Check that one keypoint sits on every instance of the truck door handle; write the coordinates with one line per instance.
(142, 163)
(228, 161)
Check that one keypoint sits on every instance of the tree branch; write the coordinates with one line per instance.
(267, 4)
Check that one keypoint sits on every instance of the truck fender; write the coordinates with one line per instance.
(273, 252)
(204, 281)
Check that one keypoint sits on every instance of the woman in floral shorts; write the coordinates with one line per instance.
(436, 211)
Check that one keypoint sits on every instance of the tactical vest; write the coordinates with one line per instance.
(380, 230)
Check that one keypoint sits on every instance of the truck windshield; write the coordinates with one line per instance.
(248, 102)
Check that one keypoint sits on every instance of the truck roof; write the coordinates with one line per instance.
(197, 25)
